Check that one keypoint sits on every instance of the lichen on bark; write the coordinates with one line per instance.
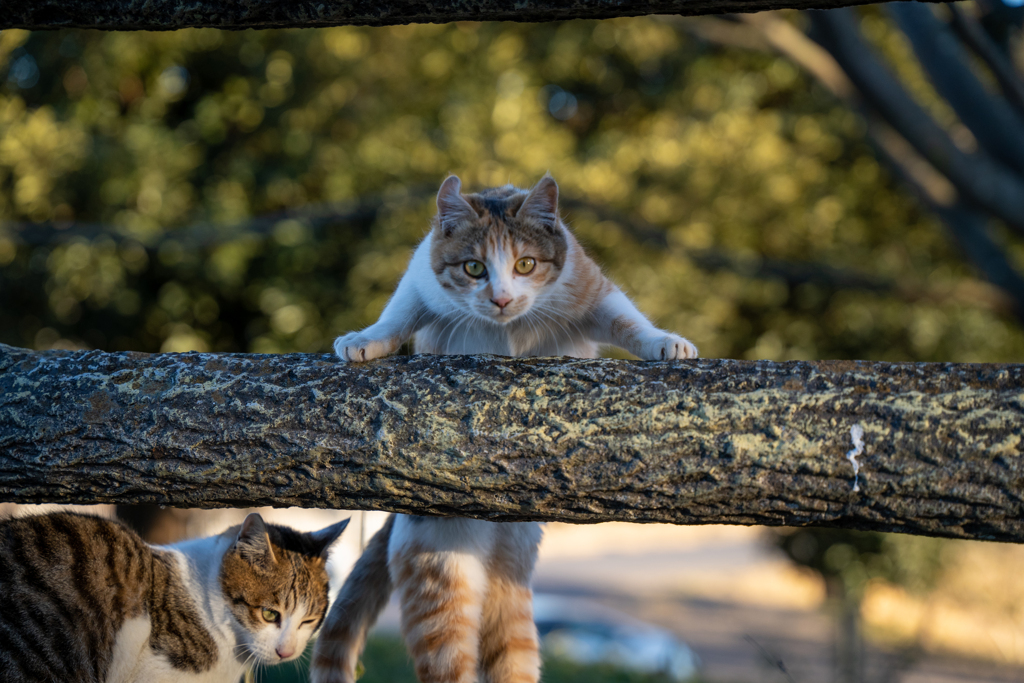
(688, 442)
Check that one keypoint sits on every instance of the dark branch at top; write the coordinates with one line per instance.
(163, 15)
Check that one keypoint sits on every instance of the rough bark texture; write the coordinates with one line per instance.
(710, 441)
(158, 15)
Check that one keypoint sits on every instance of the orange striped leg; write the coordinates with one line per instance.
(508, 648)
(441, 595)
(361, 599)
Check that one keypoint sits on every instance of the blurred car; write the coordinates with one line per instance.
(588, 633)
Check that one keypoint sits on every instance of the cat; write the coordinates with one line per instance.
(84, 599)
(499, 272)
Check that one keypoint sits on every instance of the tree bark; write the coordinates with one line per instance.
(699, 442)
(161, 15)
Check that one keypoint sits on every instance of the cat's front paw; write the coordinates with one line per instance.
(356, 347)
(668, 347)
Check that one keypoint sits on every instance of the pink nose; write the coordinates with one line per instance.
(501, 303)
(284, 652)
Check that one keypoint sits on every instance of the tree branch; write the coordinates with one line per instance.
(711, 441)
(161, 15)
(984, 183)
(365, 209)
(997, 127)
(205, 235)
(792, 272)
(971, 32)
(968, 226)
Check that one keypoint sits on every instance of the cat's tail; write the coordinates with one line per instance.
(360, 602)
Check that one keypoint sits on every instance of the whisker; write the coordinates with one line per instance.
(416, 327)
(451, 322)
(546, 313)
(448, 344)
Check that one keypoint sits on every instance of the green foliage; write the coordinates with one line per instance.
(387, 661)
(565, 671)
(848, 560)
(150, 151)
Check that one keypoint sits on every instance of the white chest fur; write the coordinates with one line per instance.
(134, 659)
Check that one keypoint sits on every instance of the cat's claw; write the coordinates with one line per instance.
(670, 347)
(356, 347)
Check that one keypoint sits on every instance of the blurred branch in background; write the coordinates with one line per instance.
(796, 273)
(998, 62)
(997, 128)
(315, 218)
(983, 181)
(989, 180)
(904, 134)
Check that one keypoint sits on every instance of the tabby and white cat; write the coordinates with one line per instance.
(85, 600)
(498, 273)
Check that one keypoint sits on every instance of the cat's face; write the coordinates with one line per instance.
(497, 253)
(274, 580)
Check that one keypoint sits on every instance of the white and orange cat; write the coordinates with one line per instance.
(498, 273)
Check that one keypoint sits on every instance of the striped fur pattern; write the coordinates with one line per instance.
(464, 589)
(85, 600)
(464, 585)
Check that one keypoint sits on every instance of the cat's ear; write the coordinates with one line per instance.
(452, 207)
(253, 542)
(325, 538)
(541, 204)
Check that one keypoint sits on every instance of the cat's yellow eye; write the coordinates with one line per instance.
(474, 268)
(525, 266)
(271, 616)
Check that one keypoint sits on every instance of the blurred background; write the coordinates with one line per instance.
(845, 184)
